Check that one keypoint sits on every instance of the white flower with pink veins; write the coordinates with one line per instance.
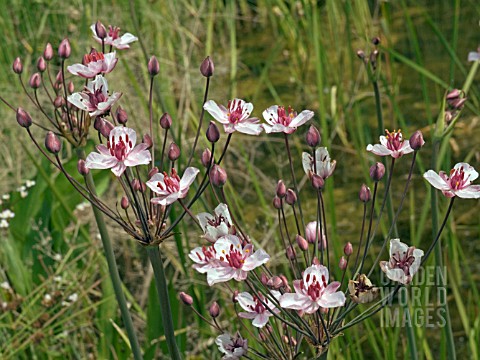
(119, 152)
(279, 120)
(170, 188)
(323, 166)
(217, 225)
(391, 145)
(312, 292)
(204, 258)
(459, 183)
(93, 64)
(257, 308)
(114, 39)
(95, 98)
(234, 117)
(234, 260)
(404, 262)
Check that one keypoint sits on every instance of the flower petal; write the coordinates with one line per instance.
(302, 118)
(379, 150)
(470, 192)
(218, 114)
(436, 180)
(260, 257)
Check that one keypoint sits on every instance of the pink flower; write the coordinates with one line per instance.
(474, 55)
(119, 153)
(459, 182)
(255, 308)
(113, 39)
(234, 260)
(95, 98)
(234, 347)
(93, 64)
(216, 226)
(312, 292)
(170, 188)
(404, 262)
(204, 258)
(235, 117)
(324, 165)
(392, 144)
(281, 121)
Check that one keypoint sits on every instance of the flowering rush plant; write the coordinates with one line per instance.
(288, 306)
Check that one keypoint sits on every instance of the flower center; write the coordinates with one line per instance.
(235, 257)
(235, 112)
(208, 254)
(172, 182)
(315, 288)
(113, 32)
(217, 221)
(458, 180)
(285, 118)
(395, 139)
(94, 56)
(97, 97)
(403, 260)
(119, 148)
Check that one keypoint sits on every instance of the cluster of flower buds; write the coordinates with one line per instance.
(455, 100)
(372, 57)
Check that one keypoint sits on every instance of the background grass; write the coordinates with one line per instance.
(300, 53)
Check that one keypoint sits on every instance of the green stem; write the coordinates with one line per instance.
(412, 346)
(113, 269)
(162, 291)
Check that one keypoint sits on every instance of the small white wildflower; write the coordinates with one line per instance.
(73, 298)
(57, 279)
(6, 196)
(30, 183)
(5, 285)
(3, 224)
(23, 194)
(7, 214)
(21, 188)
(65, 303)
(57, 257)
(82, 206)
(47, 297)
(4, 305)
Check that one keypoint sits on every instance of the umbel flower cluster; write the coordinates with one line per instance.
(296, 311)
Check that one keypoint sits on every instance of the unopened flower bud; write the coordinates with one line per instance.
(124, 203)
(23, 118)
(121, 115)
(64, 49)
(59, 101)
(218, 176)
(173, 152)
(317, 181)
(106, 127)
(342, 264)
(214, 310)
(98, 123)
(153, 171)
(186, 299)
(275, 282)
(35, 81)
(291, 197)
(312, 232)
(52, 143)
(82, 168)
(146, 139)
(416, 140)
(315, 261)
(313, 137)
(264, 279)
(234, 296)
(17, 66)
(376, 41)
(136, 185)
(281, 189)
(454, 94)
(364, 195)
(377, 172)
(284, 280)
(41, 64)
(166, 121)
(153, 66)
(348, 249)
(301, 242)
(263, 337)
(206, 156)
(361, 54)
(213, 134)
(70, 87)
(207, 67)
(458, 103)
(100, 30)
(291, 253)
(59, 78)
(277, 202)
(48, 52)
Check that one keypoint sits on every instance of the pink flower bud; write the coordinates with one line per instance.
(48, 52)
(317, 182)
(291, 197)
(64, 49)
(342, 264)
(206, 156)
(416, 140)
(212, 132)
(136, 185)
(361, 54)
(173, 152)
(100, 30)
(348, 249)
(281, 189)
(82, 168)
(454, 94)
(121, 115)
(275, 282)
(186, 299)
(290, 252)
(166, 121)
(124, 203)
(277, 202)
(311, 231)
(59, 77)
(153, 66)
(153, 171)
(52, 143)
(301, 242)
(376, 41)
(41, 64)
(106, 127)
(315, 261)
(207, 67)
(23, 118)
(218, 176)
(59, 101)
(264, 279)
(70, 87)
(35, 81)
(458, 103)
(98, 123)
(17, 66)
(234, 296)
(146, 139)
(377, 172)
(364, 195)
(284, 280)
(313, 137)
(214, 310)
